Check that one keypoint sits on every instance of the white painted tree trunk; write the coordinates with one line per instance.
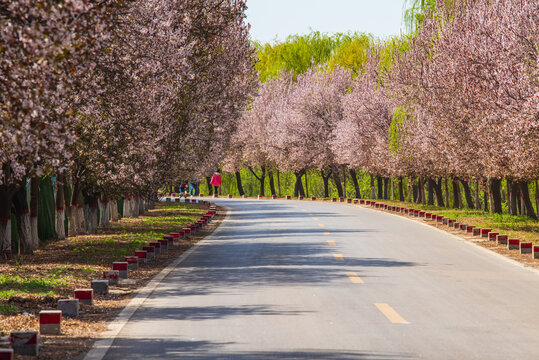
(60, 223)
(114, 210)
(25, 233)
(72, 220)
(34, 231)
(91, 219)
(5, 235)
(127, 209)
(81, 224)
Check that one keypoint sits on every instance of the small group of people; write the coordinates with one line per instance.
(190, 187)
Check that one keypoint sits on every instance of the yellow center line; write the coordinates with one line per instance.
(338, 257)
(325, 233)
(390, 313)
(321, 225)
(354, 278)
(331, 242)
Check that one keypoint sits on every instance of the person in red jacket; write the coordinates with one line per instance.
(216, 181)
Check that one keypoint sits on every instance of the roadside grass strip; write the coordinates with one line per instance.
(390, 313)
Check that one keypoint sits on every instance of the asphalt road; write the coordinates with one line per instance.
(313, 280)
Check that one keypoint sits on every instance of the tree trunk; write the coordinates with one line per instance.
(261, 178)
(537, 195)
(210, 187)
(298, 187)
(373, 189)
(337, 182)
(508, 186)
(325, 179)
(114, 215)
(467, 193)
(60, 207)
(430, 191)
(415, 191)
(477, 198)
(22, 212)
(306, 184)
(6, 197)
(386, 188)
(238, 181)
(279, 182)
(528, 207)
(485, 197)
(401, 190)
(392, 192)
(495, 190)
(345, 193)
(380, 184)
(456, 193)
(411, 194)
(34, 196)
(90, 212)
(353, 175)
(439, 193)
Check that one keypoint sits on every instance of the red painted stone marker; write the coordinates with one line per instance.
(50, 321)
(501, 239)
(535, 251)
(513, 244)
(485, 232)
(526, 247)
(492, 236)
(85, 296)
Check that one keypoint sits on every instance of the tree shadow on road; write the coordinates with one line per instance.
(146, 349)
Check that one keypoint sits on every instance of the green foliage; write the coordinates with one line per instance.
(11, 285)
(414, 13)
(299, 52)
(8, 309)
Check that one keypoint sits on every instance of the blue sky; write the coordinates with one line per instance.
(279, 18)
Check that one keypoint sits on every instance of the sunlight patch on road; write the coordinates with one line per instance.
(321, 225)
(331, 242)
(325, 233)
(338, 257)
(354, 278)
(390, 313)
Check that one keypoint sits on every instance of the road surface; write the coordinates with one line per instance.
(313, 280)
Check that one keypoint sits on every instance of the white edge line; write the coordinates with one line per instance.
(105, 340)
(487, 251)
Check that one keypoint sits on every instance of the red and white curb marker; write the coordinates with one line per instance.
(288, 197)
(50, 322)
(164, 244)
(121, 266)
(100, 287)
(142, 256)
(535, 251)
(112, 276)
(6, 354)
(150, 252)
(157, 247)
(501, 239)
(526, 247)
(274, 197)
(476, 231)
(313, 198)
(230, 196)
(492, 236)
(25, 342)
(485, 232)
(260, 197)
(85, 296)
(300, 197)
(513, 244)
(69, 307)
(132, 262)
